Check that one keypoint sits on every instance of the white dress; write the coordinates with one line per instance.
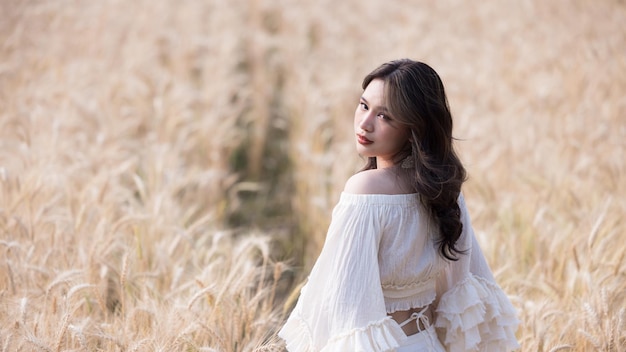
(381, 256)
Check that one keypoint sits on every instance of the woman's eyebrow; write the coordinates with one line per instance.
(381, 108)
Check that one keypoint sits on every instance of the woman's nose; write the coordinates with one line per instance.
(366, 123)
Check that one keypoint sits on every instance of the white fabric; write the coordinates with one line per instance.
(423, 341)
(381, 256)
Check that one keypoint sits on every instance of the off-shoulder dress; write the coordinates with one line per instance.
(381, 256)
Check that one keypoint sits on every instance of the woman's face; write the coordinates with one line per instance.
(377, 134)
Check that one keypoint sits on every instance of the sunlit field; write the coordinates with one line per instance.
(168, 168)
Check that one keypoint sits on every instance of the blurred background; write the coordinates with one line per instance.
(168, 168)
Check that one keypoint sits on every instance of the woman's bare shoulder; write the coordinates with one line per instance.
(375, 181)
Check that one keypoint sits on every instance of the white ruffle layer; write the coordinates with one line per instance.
(476, 315)
(383, 335)
(296, 334)
(406, 303)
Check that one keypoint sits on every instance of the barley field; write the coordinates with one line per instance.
(168, 168)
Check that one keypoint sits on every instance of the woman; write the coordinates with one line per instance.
(401, 268)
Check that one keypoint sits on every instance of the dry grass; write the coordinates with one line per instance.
(156, 158)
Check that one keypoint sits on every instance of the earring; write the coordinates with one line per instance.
(408, 162)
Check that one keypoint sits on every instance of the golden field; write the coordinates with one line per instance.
(168, 168)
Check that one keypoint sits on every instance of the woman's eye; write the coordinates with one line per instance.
(384, 117)
(363, 106)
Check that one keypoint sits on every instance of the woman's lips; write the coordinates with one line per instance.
(363, 140)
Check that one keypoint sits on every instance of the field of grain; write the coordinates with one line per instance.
(168, 168)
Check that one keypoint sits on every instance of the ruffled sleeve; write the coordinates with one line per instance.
(341, 307)
(473, 313)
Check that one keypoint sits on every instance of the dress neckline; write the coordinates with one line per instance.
(376, 198)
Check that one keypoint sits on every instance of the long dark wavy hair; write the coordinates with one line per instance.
(415, 98)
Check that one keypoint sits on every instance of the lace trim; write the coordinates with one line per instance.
(428, 276)
(398, 287)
